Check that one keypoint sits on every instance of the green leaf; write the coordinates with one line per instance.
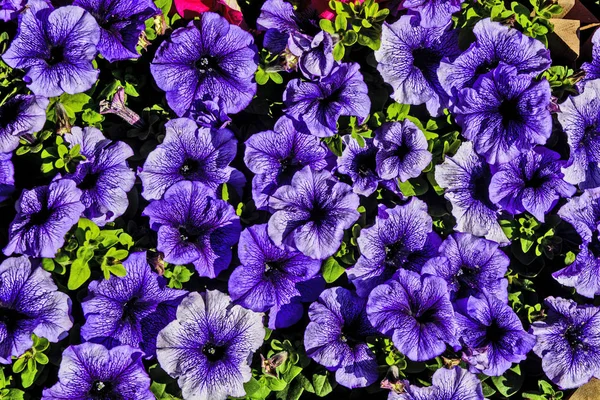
(261, 76)
(118, 270)
(414, 187)
(349, 38)
(397, 111)
(339, 51)
(19, 365)
(326, 25)
(332, 270)
(509, 383)
(28, 376)
(276, 77)
(256, 389)
(322, 384)
(526, 244)
(341, 23)
(80, 273)
(41, 358)
(275, 384)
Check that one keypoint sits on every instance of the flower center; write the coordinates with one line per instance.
(494, 333)
(189, 167)
(423, 59)
(485, 67)
(213, 352)
(57, 55)
(395, 254)
(426, 317)
(129, 308)
(509, 110)
(189, 234)
(205, 64)
(102, 390)
(8, 112)
(365, 164)
(402, 151)
(573, 335)
(40, 217)
(89, 181)
(10, 318)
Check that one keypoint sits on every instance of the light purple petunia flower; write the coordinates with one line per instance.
(495, 43)
(209, 345)
(409, 57)
(415, 311)
(274, 279)
(194, 227)
(207, 57)
(466, 178)
(104, 177)
(318, 105)
(188, 153)
(469, 265)
(580, 119)
(279, 15)
(56, 49)
(275, 156)
(312, 212)
(7, 176)
(44, 216)
(359, 164)
(583, 274)
(10, 9)
(492, 334)
(568, 342)
(401, 238)
(504, 114)
(592, 69)
(446, 384)
(91, 371)
(315, 55)
(30, 303)
(209, 113)
(121, 24)
(336, 337)
(583, 212)
(433, 13)
(402, 151)
(21, 115)
(531, 182)
(130, 310)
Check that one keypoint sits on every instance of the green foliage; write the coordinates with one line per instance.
(268, 68)
(562, 80)
(532, 19)
(546, 392)
(90, 248)
(33, 143)
(60, 157)
(355, 23)
(68, 106)
(509, 383)
(32, 362)
(177, 275)
(7, 393)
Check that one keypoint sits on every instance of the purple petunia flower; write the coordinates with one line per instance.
(433, 13)
(10, 9)
(495, 44)
(209, 113)
(504, 114)
(104, 177)
(188, 153)
(592, 69)
(21, 115)
(359, 164)
(583, 212)
(580, 119)
(415, 311)
(583, 274)
(315, 55)
(402, 151)
(470, 265)
(466, 178)
(336, 337)
(121, 24)
(209, 345)
(130, 310)
(568, 342)
(207, 57)
(194, 227)
(44, 216)
(400, 239)
(446, 384)
(270, 278)
(7, 176)
(492, 333)
(30, 303)
(91, 371)
(56, 49)
(531, 182)
(409, 57)
(275, 156)
(318, 105)
(312, 212)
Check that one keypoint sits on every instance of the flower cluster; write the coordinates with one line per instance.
(213, 200)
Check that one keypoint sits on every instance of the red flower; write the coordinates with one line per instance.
(229, 9)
